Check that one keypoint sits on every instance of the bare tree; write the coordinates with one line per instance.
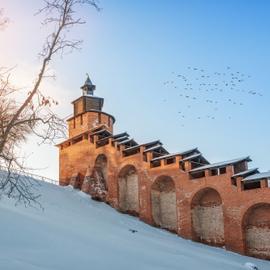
(3, 20)
(34, 114)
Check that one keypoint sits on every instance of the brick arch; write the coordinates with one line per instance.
(98, 178)
(256, 230)
(128, 189)
(101, 166)
(163, 203)
(207, 217)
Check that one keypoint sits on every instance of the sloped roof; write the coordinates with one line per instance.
(127, 141)
(105, 131)
(246, 173)
(257, 176)
(221, 164)
(166, 156)
(151, 144)
(144, 144)
(187, 152)
(190, 151)
(156, 147)
(88, 81)
(192, 157)
(120, 135)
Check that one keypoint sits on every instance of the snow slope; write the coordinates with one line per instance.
(74, 232)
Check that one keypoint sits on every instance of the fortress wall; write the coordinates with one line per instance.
(188, 208)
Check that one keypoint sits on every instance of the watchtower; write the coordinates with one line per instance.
(87, 112)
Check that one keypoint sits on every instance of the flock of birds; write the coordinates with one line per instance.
(215, 90)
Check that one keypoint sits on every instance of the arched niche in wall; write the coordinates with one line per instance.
(163, 202)
(128, 186)
(98, 186)
(256, 230)
(207, 217)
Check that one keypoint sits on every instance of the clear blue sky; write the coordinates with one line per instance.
(132, 47)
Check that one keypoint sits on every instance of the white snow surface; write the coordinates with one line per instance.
(251, 266)
(75, 232)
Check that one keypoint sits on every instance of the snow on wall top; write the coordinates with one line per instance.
(257, 176)
(245, 173)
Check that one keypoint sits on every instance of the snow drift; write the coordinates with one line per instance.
(75, 232)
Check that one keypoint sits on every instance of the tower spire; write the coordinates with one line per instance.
(88, 87)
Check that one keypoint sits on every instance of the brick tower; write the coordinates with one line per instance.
(87, 112)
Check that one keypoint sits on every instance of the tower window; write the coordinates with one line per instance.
(99, 118)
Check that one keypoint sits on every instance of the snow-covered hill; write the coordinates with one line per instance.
(75, 232)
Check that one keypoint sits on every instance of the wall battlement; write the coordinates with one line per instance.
(222, 204)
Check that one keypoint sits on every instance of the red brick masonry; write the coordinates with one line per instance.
(212, 205)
